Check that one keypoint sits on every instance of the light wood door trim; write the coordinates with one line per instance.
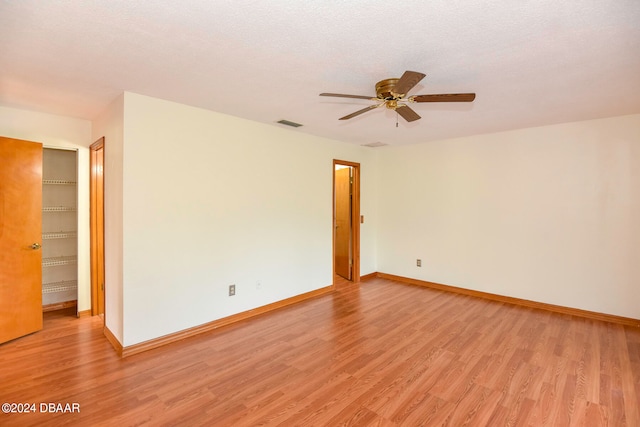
(96, 190)
(355, 218)
(20, 238)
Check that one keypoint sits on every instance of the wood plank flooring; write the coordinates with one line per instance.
(378, 354)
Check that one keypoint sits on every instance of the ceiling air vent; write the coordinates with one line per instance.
(375, 144)
(288, 123)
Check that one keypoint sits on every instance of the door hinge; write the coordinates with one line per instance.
(102, 287)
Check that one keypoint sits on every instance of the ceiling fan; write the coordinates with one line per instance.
(392, 93)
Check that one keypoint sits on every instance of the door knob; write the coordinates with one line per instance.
(36, 246)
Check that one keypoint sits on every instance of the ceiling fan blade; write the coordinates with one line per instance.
(407, 113)
(408, 80)
(445, 97)
(357, 113)
(341, 95)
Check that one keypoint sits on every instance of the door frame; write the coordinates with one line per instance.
(355, 219)
(96, 234)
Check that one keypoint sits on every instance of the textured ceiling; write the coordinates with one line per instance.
(531, 62)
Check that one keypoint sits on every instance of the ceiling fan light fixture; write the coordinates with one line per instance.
(392, 104)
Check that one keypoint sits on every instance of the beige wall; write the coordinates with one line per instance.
(547, 214)
(210, 200)
(197, 200)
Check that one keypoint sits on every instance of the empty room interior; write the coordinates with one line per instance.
(346, 213)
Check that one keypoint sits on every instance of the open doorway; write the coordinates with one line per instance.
(346, 221)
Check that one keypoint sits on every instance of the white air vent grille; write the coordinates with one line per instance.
(375, 144)
(289, 123)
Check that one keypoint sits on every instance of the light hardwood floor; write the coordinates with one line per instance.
(381, 353)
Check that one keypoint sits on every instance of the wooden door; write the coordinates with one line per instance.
(343, 260)
(20, 238)
(97, 226)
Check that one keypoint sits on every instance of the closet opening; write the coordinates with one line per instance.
(59, 230)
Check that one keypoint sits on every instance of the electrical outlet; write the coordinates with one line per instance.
(258, 285)
(232, 290)
(419, 262)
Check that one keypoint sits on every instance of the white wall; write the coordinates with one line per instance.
(110, 125)
(65, 133)
(211, 200)
(547, 214)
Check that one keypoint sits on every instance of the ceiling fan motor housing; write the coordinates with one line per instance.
(384, 89)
